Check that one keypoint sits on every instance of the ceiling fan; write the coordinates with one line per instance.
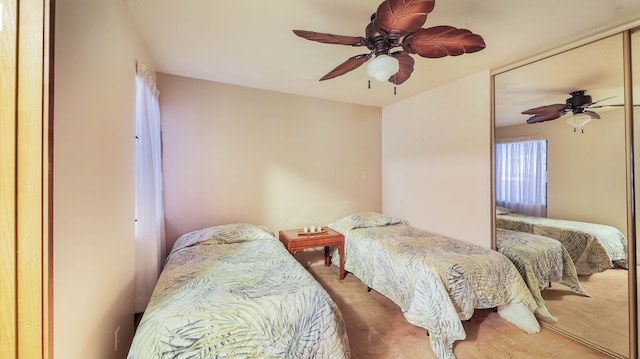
(398, 23)
(578, 104)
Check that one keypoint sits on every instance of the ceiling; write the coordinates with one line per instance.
(250, 43)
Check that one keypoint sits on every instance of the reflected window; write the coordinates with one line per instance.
(521, 175)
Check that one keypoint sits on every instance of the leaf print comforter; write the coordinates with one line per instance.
(592, 247)
(434, 279)
(540, 261)
(235, 292)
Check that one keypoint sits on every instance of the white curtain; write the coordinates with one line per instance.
(521, 174)
(150, 238)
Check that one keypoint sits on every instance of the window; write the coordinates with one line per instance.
(149, 232)
(521, 175)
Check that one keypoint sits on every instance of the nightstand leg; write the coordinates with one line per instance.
(327, 257)
(341, 253)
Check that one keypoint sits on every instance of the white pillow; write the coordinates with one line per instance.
(364, 220)
(224, 234)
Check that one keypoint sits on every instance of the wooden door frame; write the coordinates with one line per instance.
(26, 285)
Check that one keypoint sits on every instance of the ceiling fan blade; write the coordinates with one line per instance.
(592, 114)
(406, 67)
(545, 117)
(331, 38)
(542, 110)
(612, 105)
(352, 63)
(593, 103)
(440, 41)
(400, 17)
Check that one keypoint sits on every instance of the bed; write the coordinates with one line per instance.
(435, 280)
(233, 291)
(541, 261)
(592, 247)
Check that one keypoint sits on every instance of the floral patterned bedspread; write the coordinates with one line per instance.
(592, 247)
(540, 261)
(233, 291)
(434, 279)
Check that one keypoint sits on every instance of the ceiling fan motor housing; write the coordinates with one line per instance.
(579, 99)
(378, 40)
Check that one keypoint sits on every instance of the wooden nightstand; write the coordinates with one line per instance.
(294, 242)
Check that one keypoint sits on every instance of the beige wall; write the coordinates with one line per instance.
(436, 160)
(93, 185)
(235, 154)
(586, 171)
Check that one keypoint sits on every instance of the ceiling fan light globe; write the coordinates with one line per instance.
(578, 119)
(383, 67)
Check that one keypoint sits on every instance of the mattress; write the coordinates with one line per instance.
(434, 279)
(233, 291)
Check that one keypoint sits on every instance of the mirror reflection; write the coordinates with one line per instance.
(561, 188)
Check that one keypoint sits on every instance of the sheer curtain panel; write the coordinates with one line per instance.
(150, 238)
(521, 175)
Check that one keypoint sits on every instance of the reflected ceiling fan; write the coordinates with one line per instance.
(398, 24)
(578, 104)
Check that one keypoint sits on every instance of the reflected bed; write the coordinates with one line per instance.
(540, 261)
(592, 247)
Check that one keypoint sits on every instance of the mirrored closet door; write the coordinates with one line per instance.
(586, 172)
(634, 113)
